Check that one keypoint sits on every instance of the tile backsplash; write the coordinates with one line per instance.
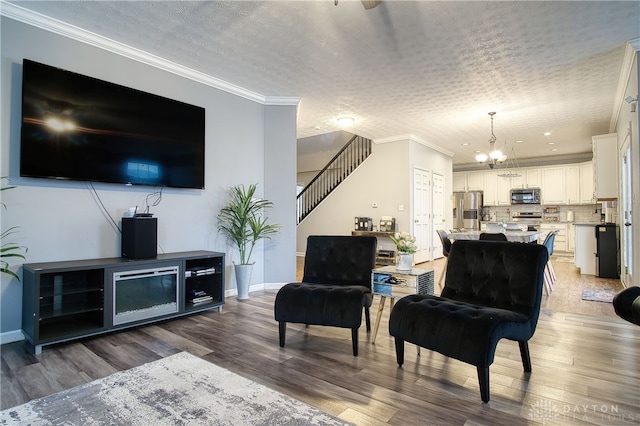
(581, 213)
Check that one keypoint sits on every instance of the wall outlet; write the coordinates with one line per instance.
(400, 207)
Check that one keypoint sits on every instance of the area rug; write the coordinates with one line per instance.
(596, 295)
(178, 390)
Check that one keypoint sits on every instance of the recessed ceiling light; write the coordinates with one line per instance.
(554, 149)
(346, 121)
(519, 141)
(547, 133)
(465, 144)
(551, 143)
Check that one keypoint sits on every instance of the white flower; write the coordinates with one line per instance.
(405, 242)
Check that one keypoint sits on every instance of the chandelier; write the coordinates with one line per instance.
(495, 155)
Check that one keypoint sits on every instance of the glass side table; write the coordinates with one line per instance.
(387, 282)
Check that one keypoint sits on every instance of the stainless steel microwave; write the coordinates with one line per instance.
(525, 196)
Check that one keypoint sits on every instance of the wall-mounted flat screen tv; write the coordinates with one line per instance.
(81, 128)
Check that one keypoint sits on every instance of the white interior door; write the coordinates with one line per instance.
(626, 199)
(438, 213)
(421, 208)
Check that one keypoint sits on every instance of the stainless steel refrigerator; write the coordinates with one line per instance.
(466, 209)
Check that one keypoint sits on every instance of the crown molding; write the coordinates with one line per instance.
(416, 139)
(55, 26)
(554, 160)
(632, 47)
(282, 100)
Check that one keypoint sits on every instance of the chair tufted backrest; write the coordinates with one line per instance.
(339, 260)
(446, 242)
(497, 274)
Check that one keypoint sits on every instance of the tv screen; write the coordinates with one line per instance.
(81, 128)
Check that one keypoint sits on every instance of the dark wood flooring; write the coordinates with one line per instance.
(586, 364)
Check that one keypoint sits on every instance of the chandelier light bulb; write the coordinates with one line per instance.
(495, 155)
(481, 158)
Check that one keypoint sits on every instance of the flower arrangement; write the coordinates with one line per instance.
(405, 242)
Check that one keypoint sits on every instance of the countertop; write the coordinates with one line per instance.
(513, 236)
(552, 223)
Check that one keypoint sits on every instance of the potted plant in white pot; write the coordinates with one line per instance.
(406, 244)
(243, 220)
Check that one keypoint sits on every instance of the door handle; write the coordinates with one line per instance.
(627, 224)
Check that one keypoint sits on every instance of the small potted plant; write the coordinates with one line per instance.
(406, 245)
(244, 222)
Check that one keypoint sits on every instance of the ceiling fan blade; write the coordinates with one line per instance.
(370, 4)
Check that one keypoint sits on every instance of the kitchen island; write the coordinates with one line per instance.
(512, 236)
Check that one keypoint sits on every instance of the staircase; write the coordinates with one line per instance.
(337, 169)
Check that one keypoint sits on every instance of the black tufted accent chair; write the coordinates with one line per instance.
(627, 304)
(335, 287)
(492, 291)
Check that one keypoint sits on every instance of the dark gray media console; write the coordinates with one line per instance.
(67, 300)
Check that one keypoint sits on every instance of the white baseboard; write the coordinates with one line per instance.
(11, 336)
(255, 287)
(274, 286)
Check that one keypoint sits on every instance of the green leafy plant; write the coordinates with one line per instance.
(9, 250)
(243, 220)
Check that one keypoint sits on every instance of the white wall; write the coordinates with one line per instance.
(384, 178)
(280, 188)
(625, 118)
(62, 220)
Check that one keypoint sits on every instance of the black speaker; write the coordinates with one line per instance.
(139, 237)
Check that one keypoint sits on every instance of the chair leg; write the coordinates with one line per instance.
(526, 357)
(552, 274)
(399, 351)
(444, 270)
(552, 271)
(483, 380)
(547, 286)
(354, 339)
(282, 331)
(367, 319)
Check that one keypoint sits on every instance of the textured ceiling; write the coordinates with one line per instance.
(430, 69)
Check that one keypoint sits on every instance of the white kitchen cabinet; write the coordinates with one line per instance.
(490, 196)
(605, 166)
(560, 243)
(571, 237)
(468, 181)
(519, 182)
(529, 178)
(475, 181)
(533, 178)
(572, 182)
(585, 254)
(586, 183)
(553, 186)
(503, 191)
(459, 181)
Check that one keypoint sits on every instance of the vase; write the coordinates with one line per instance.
(404, 262)
(243, 278)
